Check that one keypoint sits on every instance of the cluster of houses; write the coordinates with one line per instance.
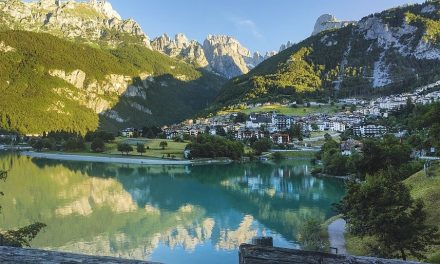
(276, 126)
(381, 106)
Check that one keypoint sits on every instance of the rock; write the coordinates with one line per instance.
(286, 46)
(106, 8)
(327, 22)
(5, 48)
(221, 54)
(101, 95)
(69, 20)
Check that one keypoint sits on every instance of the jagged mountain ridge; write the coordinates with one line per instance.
(391, 51)
(221, 54)
(92, 21)
(96, 20)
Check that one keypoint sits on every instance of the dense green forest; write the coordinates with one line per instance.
(341, 63)
(33, 101)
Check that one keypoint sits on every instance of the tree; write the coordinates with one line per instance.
(22, 236)
(163, 144)
(141, 149)
(98, 145)
(261, 145)
(240, 117)
(382, 208)
(314, 127)
(125, 148)
(295, 131)
(205, 146)
(38, 145)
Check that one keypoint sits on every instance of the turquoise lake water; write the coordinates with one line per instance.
(169, 214)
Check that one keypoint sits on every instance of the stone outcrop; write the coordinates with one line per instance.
(221, 54)
(286, 46)
(5, 48)
(180, 46)
(94, 20)
(327, 22)
(100, 96)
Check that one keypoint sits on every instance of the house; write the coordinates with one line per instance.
(369, 131)
(128, 132)
(282, 122)
(258, 120)
(243, 134)
(338, 126)
(350, 146)
(280, 138)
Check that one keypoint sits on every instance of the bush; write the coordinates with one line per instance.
(98, 145)
(262, 145)
(125, 148)
(205, 146)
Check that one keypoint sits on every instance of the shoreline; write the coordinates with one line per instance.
(101, 159)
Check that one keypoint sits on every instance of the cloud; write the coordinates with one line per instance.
(248, 25)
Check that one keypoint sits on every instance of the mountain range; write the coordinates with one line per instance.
(79, 66)
(392, 51)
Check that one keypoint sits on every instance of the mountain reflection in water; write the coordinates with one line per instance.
(171, 214)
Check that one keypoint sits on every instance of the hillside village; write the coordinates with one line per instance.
(356, 115)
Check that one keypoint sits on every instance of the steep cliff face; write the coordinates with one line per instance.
(181, 47)
(223, 55)
(94, 20)
(328, 22)
(392, 51)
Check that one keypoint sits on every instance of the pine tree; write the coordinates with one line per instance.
(382, 208)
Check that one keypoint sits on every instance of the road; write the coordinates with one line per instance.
(336, 231)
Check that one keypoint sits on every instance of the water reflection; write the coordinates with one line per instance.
(152, 212)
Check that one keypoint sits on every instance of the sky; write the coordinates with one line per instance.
(259, 25)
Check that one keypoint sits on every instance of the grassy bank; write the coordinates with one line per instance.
(153, 149)
(285, 110)
(422, 187)
(296, 154)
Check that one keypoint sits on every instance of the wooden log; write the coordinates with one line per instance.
(251, 254)
(10, 255)
(263, 241)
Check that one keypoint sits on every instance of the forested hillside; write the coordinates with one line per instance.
(48, 83)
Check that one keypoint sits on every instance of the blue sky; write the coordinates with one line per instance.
(260, 25)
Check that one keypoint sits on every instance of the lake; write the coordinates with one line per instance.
(169, 214)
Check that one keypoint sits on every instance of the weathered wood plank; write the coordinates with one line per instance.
(265, 255)
(19, 255)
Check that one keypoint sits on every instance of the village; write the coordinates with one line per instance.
(359, 117)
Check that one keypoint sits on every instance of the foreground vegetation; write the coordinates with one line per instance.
(423, 187)
(19, 237)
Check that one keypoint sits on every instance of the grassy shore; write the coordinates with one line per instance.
(285, 110)
(296, 154)
(422, 187)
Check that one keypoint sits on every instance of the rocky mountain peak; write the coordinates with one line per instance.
(181, 40)
(90, 21)
(105, 7)
(47, 4)
(327, 22)
(286, 46)
(225, 45)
